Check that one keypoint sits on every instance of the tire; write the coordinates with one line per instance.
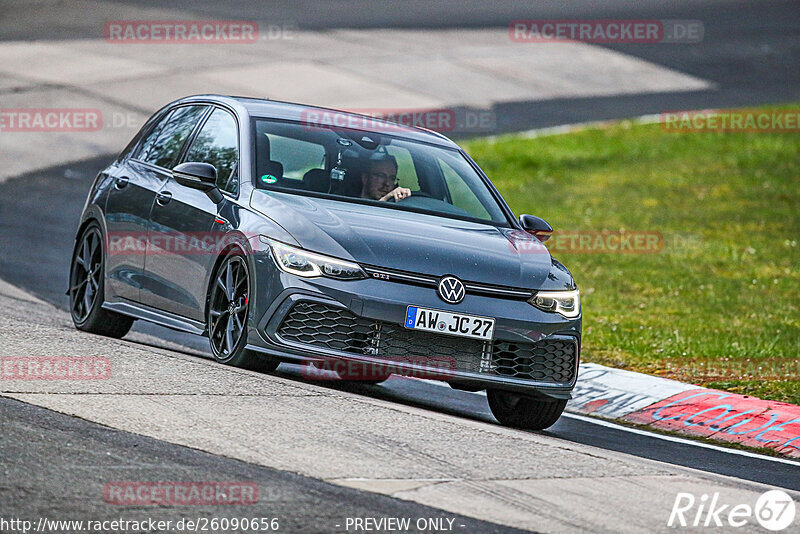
(87, 288)
(523, 412)
(227, 316)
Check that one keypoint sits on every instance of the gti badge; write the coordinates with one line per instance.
(451, 290)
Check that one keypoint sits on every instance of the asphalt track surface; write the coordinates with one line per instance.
(750, 50)
(65, 462)
(40, 267)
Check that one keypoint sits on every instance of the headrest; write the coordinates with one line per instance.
(318, 180)
(262, 147)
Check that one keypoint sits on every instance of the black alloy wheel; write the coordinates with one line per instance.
(86, 288)
(228, 313)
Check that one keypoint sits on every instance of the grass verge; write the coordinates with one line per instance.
(718, 304)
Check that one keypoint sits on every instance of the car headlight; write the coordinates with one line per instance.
(309, 265)
(567, 303)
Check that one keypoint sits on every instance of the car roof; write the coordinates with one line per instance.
(257, 107)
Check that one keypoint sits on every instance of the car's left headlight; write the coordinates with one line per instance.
(567, 303)
(310, 265)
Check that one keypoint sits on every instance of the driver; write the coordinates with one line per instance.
(380, 181)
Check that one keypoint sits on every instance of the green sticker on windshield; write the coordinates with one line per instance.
(268, 179)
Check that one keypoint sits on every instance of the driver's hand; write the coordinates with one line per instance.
(396, 194)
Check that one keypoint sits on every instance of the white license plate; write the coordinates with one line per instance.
(454, 324)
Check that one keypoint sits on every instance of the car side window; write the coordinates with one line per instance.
(297, 158)
(149, 140)
(164, 143)
(406, 173)
(461, 194)
(218, 144)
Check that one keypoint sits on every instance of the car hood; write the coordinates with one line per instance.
(409, 241)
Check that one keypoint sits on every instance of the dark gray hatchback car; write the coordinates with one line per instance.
(354, 246)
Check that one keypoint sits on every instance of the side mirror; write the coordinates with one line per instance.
(200, 176)
(536, 226)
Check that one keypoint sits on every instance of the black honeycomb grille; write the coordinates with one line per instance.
(550, 360)
(312, 323)
(443, 352)
(321, 325)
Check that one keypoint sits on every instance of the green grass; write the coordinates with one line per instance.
(724, 292)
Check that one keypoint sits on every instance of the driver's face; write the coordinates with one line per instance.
(380, 180)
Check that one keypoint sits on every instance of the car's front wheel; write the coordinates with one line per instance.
(519, 411)
(228, 312)
(86, 288)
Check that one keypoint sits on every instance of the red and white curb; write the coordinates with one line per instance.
(692, 410)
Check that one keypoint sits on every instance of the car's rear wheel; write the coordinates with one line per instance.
(519, 411)
(86, 288)
(228, 312)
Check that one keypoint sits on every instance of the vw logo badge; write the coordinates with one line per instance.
(451, 290)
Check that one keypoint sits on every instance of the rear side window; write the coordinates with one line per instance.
(147, 142)
(297, 157)
(162, 146)
(218, 144)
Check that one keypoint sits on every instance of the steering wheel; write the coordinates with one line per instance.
(422, 194)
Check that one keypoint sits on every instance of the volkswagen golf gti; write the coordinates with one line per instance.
(293, 233)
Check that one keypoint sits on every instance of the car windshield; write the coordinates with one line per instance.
(373, 168)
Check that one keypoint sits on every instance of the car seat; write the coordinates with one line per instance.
(318, 180)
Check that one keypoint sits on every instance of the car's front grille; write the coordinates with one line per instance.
(335, 328)
(551, 360)
(472, 288)
(426, 348)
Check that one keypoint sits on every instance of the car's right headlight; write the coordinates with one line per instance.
(567, 303)
(300, 262)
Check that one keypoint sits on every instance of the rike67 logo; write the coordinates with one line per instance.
(774, 511)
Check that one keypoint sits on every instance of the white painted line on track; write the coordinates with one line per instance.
(654, 435)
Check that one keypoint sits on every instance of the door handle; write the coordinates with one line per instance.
(162, 199)
(121, 182)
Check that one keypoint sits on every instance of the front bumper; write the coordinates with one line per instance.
(319, 319)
